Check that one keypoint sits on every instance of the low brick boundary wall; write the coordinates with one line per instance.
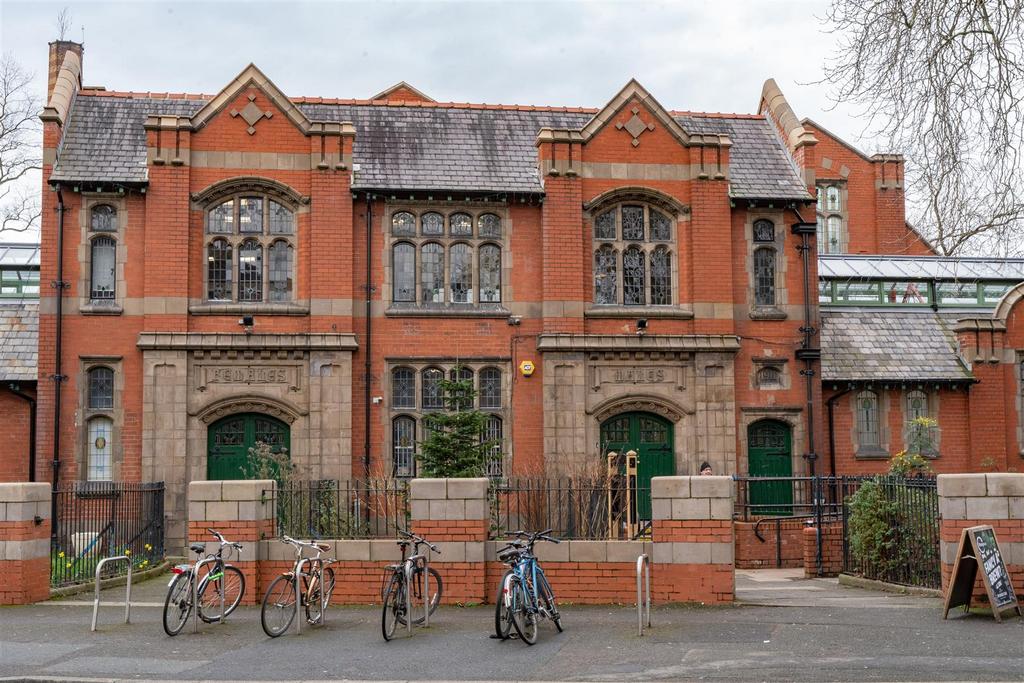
(24, 543)
(752, 553)
(831, 550)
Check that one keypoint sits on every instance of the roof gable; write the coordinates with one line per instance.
(630, 92)
(251, 77)
(402, 92)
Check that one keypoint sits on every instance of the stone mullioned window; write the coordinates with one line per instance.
(633, 260)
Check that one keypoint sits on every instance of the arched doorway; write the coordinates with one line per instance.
(770, 454)
(651, 437)
(230, 438)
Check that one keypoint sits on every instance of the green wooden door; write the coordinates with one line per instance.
(770, 454)
(651, 437)
(230, 438)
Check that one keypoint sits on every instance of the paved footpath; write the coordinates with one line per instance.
(783, 630)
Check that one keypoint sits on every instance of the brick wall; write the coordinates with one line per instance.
(753, 553)
(831, 550)
(24, 543)
(16, 412)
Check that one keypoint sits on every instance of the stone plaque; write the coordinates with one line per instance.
(638, 374)
(248, 374)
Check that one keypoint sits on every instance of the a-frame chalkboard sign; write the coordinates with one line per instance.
(978, 547)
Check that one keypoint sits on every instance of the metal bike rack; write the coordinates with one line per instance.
(324, 598)
(410, 567)
(127, 593)
(643, 564)
(195, 594)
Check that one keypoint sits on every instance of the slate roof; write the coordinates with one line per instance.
(415, 148)
(873, 345)
(920, 267)
(19, 341)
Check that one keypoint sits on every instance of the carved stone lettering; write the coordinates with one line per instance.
(247, 374)
(638, 375)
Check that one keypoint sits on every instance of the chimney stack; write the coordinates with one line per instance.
(58, 49)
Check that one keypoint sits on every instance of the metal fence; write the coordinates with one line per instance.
(368, 508)
(590, 508)
(102, 518)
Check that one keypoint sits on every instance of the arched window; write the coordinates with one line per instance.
(403, 224)
(460, 225)
(282, 221)
(103, 218)
(100, 465)
(764, 230)
(250, 271)
(489, 225)
(403, 267)
(868, 428)
(490, 388)
(490, 274)
(103, 259)
(921, 434)
(432, 273)
(764, 276)
(494, 435)
(633, 277)
(218, 270)
(769, 377)
(661, 277)
(605, 282)
(430, 387)
(633, 223)
(661, 226)
(403, 446)
(626, 241)
(831, 215)
(604, 226)
(432, 224)
(280, 272)
(403, 388)
(101, 388)
(460, 258)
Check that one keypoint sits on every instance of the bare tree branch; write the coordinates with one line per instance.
(63, 23)
(19, 148)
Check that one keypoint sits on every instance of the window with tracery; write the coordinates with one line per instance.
(920, 431)
(632, 256)
(868, 423)
(100, 388)
(831, 214)
(103, 218)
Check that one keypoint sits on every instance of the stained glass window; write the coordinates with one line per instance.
(103, 218)
(100, 435)
(403, 388)
(605, 285)
(271, 433)
(764, 277)
(604, 226)
(832, 196)
(830, 217)
(218, 270)
(250, 214)
(250, 271)
(633, 277)
(403, 446)
(432, 273)
(490, 388)
(460, 225)
(230, 433)
(432, 398)
(661, 277)
(493, 435)
(633, 223)
(490, 274)
(221, 219)
(101, 388)
(280, 276)
(403, 224)
(460, 258)
(403, 266)
(103, 268)
(661, 226)
(867, 419)
(489, 225)
(281, 219)
(432, 224)
(764, 231)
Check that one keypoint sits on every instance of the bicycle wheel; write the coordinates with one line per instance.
(524, 618)
(278, 609)
(547, 597)
(314, 601)
(502, 611)
(394, 607)
(436, 588)
(233, 582)
(177, 604)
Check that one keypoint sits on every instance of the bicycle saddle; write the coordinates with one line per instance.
(198, 547)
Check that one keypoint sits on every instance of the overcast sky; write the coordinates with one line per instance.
(692, 55)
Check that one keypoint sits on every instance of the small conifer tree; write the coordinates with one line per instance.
(454, 445)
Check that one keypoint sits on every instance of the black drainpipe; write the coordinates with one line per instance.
(58, 377)
(31, 429)
(368, 363)
(830, 405)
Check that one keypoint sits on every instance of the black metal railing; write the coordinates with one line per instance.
(792, 497)
(102, 519)
(368, 508)
(583, 508)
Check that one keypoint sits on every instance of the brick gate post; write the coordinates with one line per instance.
(24, 543)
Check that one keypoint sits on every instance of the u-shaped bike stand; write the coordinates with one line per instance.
(324, 597)
(195, 594)
(127, 593)
(410, 569)
(643, 564)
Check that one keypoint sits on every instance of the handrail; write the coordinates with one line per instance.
(643, 563)
(127, 594)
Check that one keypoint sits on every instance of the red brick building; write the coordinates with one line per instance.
(302, 271)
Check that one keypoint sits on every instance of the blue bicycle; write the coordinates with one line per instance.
(524, 596)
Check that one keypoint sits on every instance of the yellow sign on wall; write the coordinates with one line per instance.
(527, 367)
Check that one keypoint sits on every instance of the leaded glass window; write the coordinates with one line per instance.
(100, 449)
(605, 285)
(764, 231)
(489, 225)
(661, 277)
(490, 388)
(493, 435)
(403, 388)
(230, 433)
(218, 270)
(103, 218)
(271, 433)
(403, 266)
(432, 224)
(921, 434)
(432, 397)
(633, 223)
(652, 431)
(490, 274)
(250, 271)
(868, 435)
(604, 226)
(661, 226)
(460, 258)
(460, 225)
(101, 388)
(403, 224)
(432, 273)
(250, 215)
(281, 219)
(221, 218)
(103, 258)
(832, 198)
(280, 254)
(764, 277)
(633, 278)
(403, 446)
(831, 216)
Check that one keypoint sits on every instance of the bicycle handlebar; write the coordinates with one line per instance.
(319, 547)
(536, 536)
(419, 539)
(223, 541)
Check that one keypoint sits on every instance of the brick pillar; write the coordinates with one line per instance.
(24, 543)
(967, 500)
(242, 511)
(831, 550)
(692, 531)
(452, 513)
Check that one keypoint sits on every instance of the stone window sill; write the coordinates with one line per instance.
(610, 311)
(100, 308)
(448, 310)
(230, 308)
(871, 454)
(767, 313)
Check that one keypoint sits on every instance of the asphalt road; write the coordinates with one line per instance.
(800, 631)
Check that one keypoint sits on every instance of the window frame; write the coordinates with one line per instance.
(88, 370)
(108, 239)
(865, 449)
(621, 247)
(827, 216)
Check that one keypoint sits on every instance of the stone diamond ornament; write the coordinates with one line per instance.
(635, 126)
(251, 114)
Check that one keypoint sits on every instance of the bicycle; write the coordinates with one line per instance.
(394, 595)
(509, 555)
(228, 587)
(278, 610)
(526, 592)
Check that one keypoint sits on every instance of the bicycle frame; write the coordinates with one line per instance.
(315, 578)
(528, 565)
